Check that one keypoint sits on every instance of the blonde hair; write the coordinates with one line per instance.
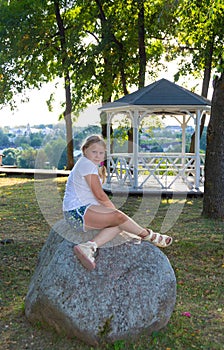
(90, 140)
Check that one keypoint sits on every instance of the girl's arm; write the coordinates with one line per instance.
(96, 188)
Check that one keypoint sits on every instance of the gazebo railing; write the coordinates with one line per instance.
(163, 170)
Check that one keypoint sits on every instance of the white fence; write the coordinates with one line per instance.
(156, 169)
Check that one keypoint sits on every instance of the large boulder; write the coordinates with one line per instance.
(131, 291)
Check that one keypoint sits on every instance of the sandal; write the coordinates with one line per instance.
(86, 254)
(158, 239)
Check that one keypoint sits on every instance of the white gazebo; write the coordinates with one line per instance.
(157, 171)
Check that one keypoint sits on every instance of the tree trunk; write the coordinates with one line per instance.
(130, 140)
(141, 45)
(205, 85)
(142, 62)
(68, 99)
(213, 203)
(107, 78)
(68, 123)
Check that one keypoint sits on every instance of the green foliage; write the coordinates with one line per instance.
(22, 141)
(105, 329)
(100, 52)
(38, 150)
(220, 66)
(199, 36)
(56, 153)
(27, 158)
(36, 140)
(119, 345)
(203, 140)
(4, 140)
(96, 49)
(22, 158)
(10, 156)
(120, 135)
(41, 161)
(50, 150)
(80, 134)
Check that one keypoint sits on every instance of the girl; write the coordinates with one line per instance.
(86, 206)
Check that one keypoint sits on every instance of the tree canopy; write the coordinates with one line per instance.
(102, 50)
(199, 38)
(98, 44)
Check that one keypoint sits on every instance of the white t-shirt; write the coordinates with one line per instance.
(77, 191)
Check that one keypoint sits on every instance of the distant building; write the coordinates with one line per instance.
(177, 129)
(173, 128)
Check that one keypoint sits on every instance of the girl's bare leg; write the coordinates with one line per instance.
(99, 217)
(111, 222)
(106, 235)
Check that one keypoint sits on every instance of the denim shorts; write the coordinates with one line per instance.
(75, 218)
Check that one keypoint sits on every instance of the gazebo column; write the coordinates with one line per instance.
(197, 150)
(135, 148)
(183, 126)
(108, 147)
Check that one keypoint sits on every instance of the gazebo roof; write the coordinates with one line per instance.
(162, 94)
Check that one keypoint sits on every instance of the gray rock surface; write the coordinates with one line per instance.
(131, 291)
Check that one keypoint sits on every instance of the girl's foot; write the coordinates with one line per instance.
(85, 253)
(157, 239)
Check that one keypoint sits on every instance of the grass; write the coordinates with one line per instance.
(196, 256)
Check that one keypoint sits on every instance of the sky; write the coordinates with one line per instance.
(36, 112)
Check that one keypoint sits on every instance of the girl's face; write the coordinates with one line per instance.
(95, 153)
